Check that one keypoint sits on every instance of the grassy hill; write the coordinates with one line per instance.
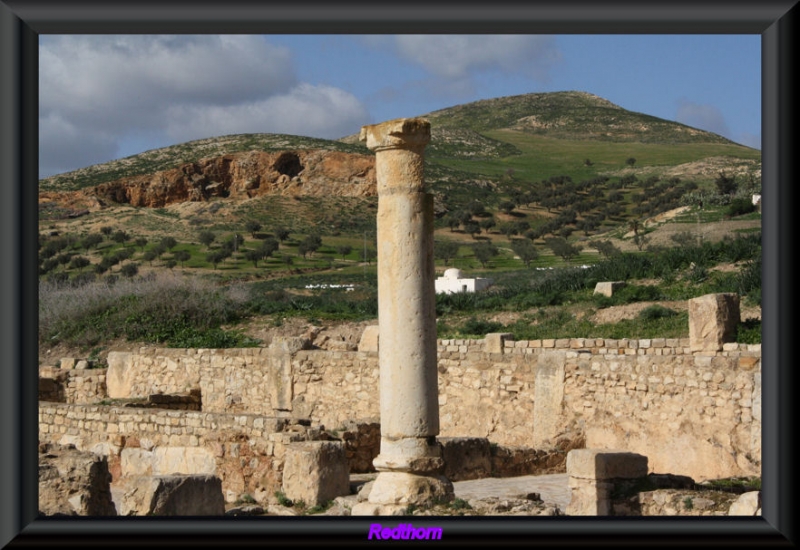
(562, 174)
(535, 134)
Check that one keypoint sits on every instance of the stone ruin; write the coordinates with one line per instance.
(650, 397)
(252, 422)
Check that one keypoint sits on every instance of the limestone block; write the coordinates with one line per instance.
(495, 341)
(315, 471)
(67, 363)
(135, 461)
(466, 458)
(173, 495)
(712, 321)
(183, 460)
(548, 397)
(589, 497)
(592, 473)
(73, 482)
(369, 339)
(748, 504)
(607, 288)
(49, 372)
(288, 344)
(119, 377)
(604, 464)
(280, 356)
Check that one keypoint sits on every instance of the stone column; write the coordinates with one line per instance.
(410, 461)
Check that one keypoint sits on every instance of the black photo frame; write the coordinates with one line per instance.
(21, 23)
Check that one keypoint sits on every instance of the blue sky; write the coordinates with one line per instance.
(104, 97)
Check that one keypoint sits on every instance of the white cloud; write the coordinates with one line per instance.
(456, 57)
(63, 146)
(319, 111)
(131, 80)
(96, 91)
(705, 117)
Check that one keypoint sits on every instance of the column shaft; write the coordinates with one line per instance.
(406, 301)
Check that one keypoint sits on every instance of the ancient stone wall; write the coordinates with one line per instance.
(245, 450)
(158, 370)
(695, 414)
(333, 387)
(691, 413)
(72, 386)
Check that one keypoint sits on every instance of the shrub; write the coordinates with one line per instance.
(629, 294)
(656, 311)
(479, 327)
(83, 279)
(749, 332)
(739, 207)
(459, 504)
(91, 240)
(684, 238)
(163, 309)
(129, 270)
(245, 498)
(283, 500)
(319, 508)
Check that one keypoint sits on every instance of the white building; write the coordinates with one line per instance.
(453, 281)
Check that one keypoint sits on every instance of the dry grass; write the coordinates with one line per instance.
(93, 312)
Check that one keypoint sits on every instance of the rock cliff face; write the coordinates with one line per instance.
(241, 176)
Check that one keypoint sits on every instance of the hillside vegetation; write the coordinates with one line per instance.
(526, 188)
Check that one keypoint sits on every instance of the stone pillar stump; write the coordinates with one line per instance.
(592, 475)
(713, 319)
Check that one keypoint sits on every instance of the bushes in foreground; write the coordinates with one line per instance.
(164, 309)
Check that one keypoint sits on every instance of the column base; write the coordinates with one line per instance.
(392, 489)
(413, 455)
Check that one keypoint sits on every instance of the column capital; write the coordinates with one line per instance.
(400, 133)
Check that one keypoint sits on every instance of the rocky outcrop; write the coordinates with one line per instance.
(246, 175)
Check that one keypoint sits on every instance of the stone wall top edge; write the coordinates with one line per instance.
(117, 410)
(48, 370)
(510, 345)
(152, 350)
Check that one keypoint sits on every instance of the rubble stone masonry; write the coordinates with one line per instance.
(691, 413)
(247, 450)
